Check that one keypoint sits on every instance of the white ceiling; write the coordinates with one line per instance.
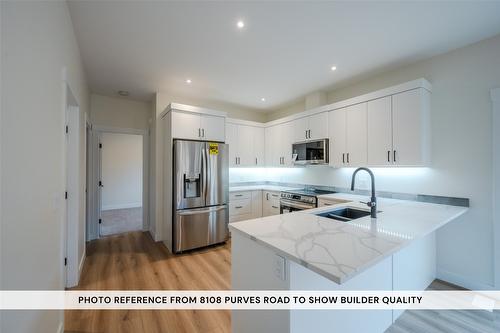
(284, 52)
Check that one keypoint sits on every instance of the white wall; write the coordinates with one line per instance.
(461, 153)
(121, 170)
(119, 112)
(40, 41)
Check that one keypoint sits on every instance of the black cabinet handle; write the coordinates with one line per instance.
(275, 207)
(199, 132)
(238, 195)
(394, 157)
(347, 157)
(388, 156)
(343, 157)
(203, 132)
(238, 207)
(256, 161)
(267, 196)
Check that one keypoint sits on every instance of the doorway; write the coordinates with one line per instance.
(121, 183)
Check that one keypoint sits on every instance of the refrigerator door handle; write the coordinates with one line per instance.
(204, 170)
(201, 210)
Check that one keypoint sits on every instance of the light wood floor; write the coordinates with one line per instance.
(134, 261)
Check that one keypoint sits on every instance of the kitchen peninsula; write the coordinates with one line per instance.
(304, 251)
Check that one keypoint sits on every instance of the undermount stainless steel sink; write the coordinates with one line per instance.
(344, 214)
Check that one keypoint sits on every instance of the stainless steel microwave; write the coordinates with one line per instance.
(310, 152)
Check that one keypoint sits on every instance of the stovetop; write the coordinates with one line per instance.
(310, 192)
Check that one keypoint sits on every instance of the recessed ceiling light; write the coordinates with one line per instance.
(333, 68)
(240, 24)
(263, 99)
(188, 81)
(123, 93)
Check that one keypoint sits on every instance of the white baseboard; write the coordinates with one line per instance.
(122, 206)
(462, 281)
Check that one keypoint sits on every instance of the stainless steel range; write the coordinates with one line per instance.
(295, 200)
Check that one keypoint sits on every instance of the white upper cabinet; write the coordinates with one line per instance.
(300, 129)
(186, 125)
(213, 128)
(196, 126)
(232, 141)
(318, 126)
(311, 127)
(246, 145)
(379, 132)
(259, 146)
(337, 126)
(411, 128)
(273, 157)
(245, 152)
(286, 140)
(356, 141)
(279, 139)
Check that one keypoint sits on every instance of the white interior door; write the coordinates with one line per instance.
(356, 135)
(337, 134)
(379, 131)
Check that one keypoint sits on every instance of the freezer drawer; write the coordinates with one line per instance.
(194, 228)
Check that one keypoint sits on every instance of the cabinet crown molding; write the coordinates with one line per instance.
(192, 109)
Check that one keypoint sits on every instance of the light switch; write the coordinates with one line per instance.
(279, 267)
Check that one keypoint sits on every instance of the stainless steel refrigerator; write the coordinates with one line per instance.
(201, 194)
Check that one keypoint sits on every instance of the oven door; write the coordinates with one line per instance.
(289, 206)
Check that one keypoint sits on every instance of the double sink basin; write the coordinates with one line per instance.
(344, 214)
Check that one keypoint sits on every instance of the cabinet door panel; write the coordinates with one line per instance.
(214, 128)
(286, 140)
(337, 135)
(245, 146)
(318, 126)
(185, 125)
(300, 128)
(356, 135)
(411, 133)
(232, 140)
(273, 146)
(259, 146)
(379, 131)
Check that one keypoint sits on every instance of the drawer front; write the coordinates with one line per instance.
(271, 195)
(240, 195)
(240, 207)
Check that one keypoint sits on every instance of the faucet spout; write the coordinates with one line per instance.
(373, 201)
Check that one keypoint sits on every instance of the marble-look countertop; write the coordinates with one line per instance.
(341, 250)
(259, 187)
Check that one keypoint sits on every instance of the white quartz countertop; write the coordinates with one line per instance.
(259, 187)
(341, 250)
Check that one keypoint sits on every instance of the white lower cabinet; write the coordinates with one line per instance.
(270, 203)
(245, 205)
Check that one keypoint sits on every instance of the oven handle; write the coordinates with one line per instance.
(292, 204)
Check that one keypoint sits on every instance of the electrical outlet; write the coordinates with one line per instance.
(279, 267)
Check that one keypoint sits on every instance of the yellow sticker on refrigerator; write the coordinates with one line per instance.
(213, 148)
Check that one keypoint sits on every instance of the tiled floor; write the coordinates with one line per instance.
(117, 221)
